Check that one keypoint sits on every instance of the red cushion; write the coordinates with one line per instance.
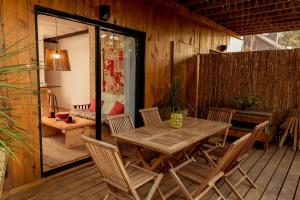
(93, 105)
(118, 108)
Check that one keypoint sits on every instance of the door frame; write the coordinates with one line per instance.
(140, 72)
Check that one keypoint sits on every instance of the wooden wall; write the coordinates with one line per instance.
(161, 26)
(271, 75)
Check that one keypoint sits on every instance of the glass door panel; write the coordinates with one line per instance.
(118, 73)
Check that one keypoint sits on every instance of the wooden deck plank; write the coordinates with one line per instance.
(274, 171)
(266, 175)
(50, 189)
(290, 184)
(254, 171)
(247, 164)
(274, 186)
(297, 194)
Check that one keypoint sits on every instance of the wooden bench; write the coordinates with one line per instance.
(243, 122)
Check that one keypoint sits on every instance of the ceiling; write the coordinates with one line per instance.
(247, 17)
(47, 28)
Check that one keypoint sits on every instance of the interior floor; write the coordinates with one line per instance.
(55, 154)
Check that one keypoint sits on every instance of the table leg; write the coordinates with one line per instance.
(141, 157)
(157, 162)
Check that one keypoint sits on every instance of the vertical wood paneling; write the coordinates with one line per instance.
(161, 26)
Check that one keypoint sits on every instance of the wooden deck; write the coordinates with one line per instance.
(276, 172)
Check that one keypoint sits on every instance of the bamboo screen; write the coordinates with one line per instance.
(274, 76)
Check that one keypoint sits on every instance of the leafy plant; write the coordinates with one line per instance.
(174, 101)
(245, 102)
(12, 134)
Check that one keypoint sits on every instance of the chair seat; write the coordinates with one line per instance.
(196, 171)
(200, 173)
(138, 176)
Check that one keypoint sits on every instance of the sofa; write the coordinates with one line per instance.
(111, 104)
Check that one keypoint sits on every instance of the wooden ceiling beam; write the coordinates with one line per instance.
(241, 6)
(275, 23)
(267, 28)
(281, 23)
(217, 4)
(260, 10)
(250, 11)
(194, 2)
(261, 18)
(261, 31)
(183, 11)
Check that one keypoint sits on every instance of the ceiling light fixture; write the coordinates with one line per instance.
(57, 59)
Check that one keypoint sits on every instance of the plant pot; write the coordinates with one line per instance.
(176, 120)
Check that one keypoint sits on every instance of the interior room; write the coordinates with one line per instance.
(65, 89)
(68, 87)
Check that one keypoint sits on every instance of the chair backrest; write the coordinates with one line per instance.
(220, 114)
(150, 116)
(256, 130)
(231, 155)
(120, 123)
(109, 163)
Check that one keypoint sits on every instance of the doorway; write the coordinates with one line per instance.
(101, 72)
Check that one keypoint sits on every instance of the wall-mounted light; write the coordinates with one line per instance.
(57, 59)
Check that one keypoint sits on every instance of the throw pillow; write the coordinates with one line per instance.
(93, 105)
(118, 108)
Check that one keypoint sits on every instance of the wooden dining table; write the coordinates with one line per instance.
(167, 141)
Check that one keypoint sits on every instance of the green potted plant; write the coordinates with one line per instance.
(176, 118)
(12, 135)
(246, 102)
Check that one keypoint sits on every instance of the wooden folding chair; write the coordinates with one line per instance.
(219, 152)
(123, 181)
(220, 115)
(206, 176)
(150, 115)
(129, 152)
(119, 124)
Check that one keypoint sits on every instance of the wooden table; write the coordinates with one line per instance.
(168, 141)
(72, 131)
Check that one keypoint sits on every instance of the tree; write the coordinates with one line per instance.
(290, 39)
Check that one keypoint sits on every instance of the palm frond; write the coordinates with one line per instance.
(12, 135)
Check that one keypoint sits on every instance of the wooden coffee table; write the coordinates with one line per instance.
(72, 131)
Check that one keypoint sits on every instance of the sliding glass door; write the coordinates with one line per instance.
(121, 73)
(104, 76)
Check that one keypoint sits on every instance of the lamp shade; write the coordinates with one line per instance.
(57, 60)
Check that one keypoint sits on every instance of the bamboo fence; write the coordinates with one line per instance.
(274, 76)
